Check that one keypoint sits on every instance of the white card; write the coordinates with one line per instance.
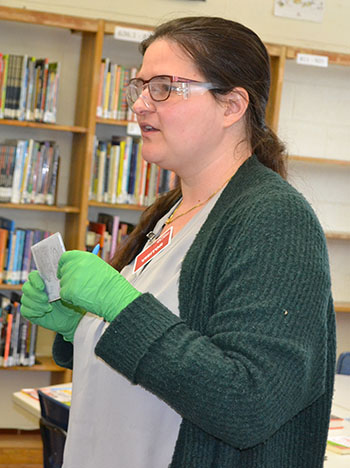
(46, 255)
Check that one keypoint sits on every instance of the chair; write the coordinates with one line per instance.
(343, 363)
(53, 429)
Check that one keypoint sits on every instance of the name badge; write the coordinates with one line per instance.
(154, 249)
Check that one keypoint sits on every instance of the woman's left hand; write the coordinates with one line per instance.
(89, 282)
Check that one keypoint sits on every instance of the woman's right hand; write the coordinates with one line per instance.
(58, 316)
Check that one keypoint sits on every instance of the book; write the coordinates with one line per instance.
(24, 333)
(17, 266)
(21, 152)
(113, 170)
(5, 61)
(112, 226)
(13, 357)
(27, 255)
(61, 393)
(32, 344)
(51, 194)
(95, 235)
(336, 422)
(3, 244)
(23, 89)
(9, 225)
(29, 111)
(114, 238)
(339, 444)
(7, 168)
(5, 305)
(50, 108)
(8, 336)
(101, 153)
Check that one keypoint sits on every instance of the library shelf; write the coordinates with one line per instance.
(334, 58)
(43, 125)
(22, 15)
(121, 206)
(333, 235)
(119, 123)
(10, 287)
(318, 160)
(342, 307)
(42, 364)
(110, 25)
(34, 207)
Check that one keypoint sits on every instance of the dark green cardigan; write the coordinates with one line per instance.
(249, 363)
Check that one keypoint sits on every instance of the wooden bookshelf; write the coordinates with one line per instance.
(44, 364)
(318, 160)
(344, 236)
(121, 206)
(22, 15)
(119, 123)
(342, 307)
(38, 207)
(334, 58)
(46, 126)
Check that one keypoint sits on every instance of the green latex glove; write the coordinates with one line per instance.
(57, 316)
(89, 282)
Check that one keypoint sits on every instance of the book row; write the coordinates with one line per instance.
(108, 231)
(18, 336)
(28, 88)
(16, 259)
(111, 100)
(28, 171)
(119, 174)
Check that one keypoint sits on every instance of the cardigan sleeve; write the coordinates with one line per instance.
(256, 357)
(62, 352)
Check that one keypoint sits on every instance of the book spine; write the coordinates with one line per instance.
(32, 344)
(8, 338)
(29, 115)
(10, 256)
(4, 85)
(101, 154)
(3, 242)
(23, 89)
(51, 194)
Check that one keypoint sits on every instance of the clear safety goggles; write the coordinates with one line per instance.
(160, 88)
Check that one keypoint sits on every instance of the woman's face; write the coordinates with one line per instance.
(178, 134)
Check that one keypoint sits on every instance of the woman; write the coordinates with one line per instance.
(216, 349)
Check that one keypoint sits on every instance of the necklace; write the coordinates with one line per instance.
(172, 217)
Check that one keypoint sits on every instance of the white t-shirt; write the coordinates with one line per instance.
(113, 423)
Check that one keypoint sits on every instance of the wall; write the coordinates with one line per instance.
(331, 34)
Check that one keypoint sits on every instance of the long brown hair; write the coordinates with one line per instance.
(229, 55)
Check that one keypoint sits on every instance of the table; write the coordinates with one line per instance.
(29, 403)
(340, 407)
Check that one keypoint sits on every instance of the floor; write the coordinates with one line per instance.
(20, 449)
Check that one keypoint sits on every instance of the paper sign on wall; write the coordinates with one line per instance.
(131, 34)
(313, 60)
(310, 10)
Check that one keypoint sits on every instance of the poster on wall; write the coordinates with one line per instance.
(310, 10)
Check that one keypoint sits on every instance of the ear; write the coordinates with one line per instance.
(235, 104)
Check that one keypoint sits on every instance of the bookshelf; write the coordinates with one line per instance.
(77, 44)
(80, 44)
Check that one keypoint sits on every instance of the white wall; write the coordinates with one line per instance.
(331, 34)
